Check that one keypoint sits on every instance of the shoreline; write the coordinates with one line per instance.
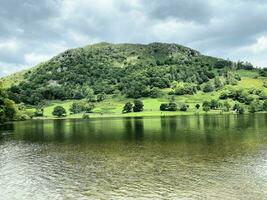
(145, 114)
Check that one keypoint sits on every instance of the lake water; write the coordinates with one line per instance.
(185, 157)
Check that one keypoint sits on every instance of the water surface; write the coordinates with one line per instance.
(186, 157)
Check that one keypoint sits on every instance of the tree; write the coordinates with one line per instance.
(197, 106)
(59, 111)
(8, 109)
(206, 106)
(39, 112)
(89, 107)
(217, 82)
(208, 88)
(127, 107)
(214, 104)
(77, 107)
(241, 110)
(183, 107)
(226, 106)
(238, 108)
(101, 97)
(138, 105)
(255, 106)
(164, 107)
(154, 92)
(185, 88)
(222, 64)
(264, 105)
(172, 106)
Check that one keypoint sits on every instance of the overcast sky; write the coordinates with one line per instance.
(32, 31)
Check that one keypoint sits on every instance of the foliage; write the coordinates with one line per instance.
(222, 64)
(244, 65)
(217, 82)
(226, 106)
(7, 106)
(184, 88)
(237, 94)
(214, 104)
(101, 97)
(39, 112)
(255, 106)
(172, 106)
(132, 69)
(82, 106)
(86, 116)
(263, 72)
(238, 108)
(264, 105)
(164, 107)
(183, 107)
(138, 105)
(127, 107)
(197, 106)
(208, 87)
(59, 111)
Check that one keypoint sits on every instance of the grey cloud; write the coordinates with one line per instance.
(186, 10)
(47, 27)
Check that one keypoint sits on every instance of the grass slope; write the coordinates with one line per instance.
(112, 107)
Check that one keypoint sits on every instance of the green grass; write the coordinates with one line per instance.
(112, 107)
(251, 83)
(247, 73)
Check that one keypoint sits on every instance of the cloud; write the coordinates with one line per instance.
(32, 31)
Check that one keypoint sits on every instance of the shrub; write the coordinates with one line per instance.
(89, 107)
(185, 88)
(226, 106)
(206, 106)
(101, 97)
(217, 82)
(154, 92)
(164, 107)
(214, 104)
(208, 88)
(255, 106)
(238, 108)
(127, 107)
(86, 116)
(39, 112)
(59, 111)
(172, 106)
(241, 110)
(183, 107)
(264, 105)
(138, 105)
(197, 106)
(77, 107)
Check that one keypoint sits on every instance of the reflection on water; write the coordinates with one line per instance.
(214, 157)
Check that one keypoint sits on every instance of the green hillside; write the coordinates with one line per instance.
(109, 75)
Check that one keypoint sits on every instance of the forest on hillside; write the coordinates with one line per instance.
(133, 71)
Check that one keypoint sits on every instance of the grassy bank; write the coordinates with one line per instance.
(112, 106)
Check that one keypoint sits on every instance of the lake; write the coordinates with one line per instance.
(184, 157)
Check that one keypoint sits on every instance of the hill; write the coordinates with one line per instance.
(104, 73)
(132, 69)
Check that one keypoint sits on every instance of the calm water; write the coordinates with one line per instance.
(187, 157)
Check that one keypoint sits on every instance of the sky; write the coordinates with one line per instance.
(32, 31)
